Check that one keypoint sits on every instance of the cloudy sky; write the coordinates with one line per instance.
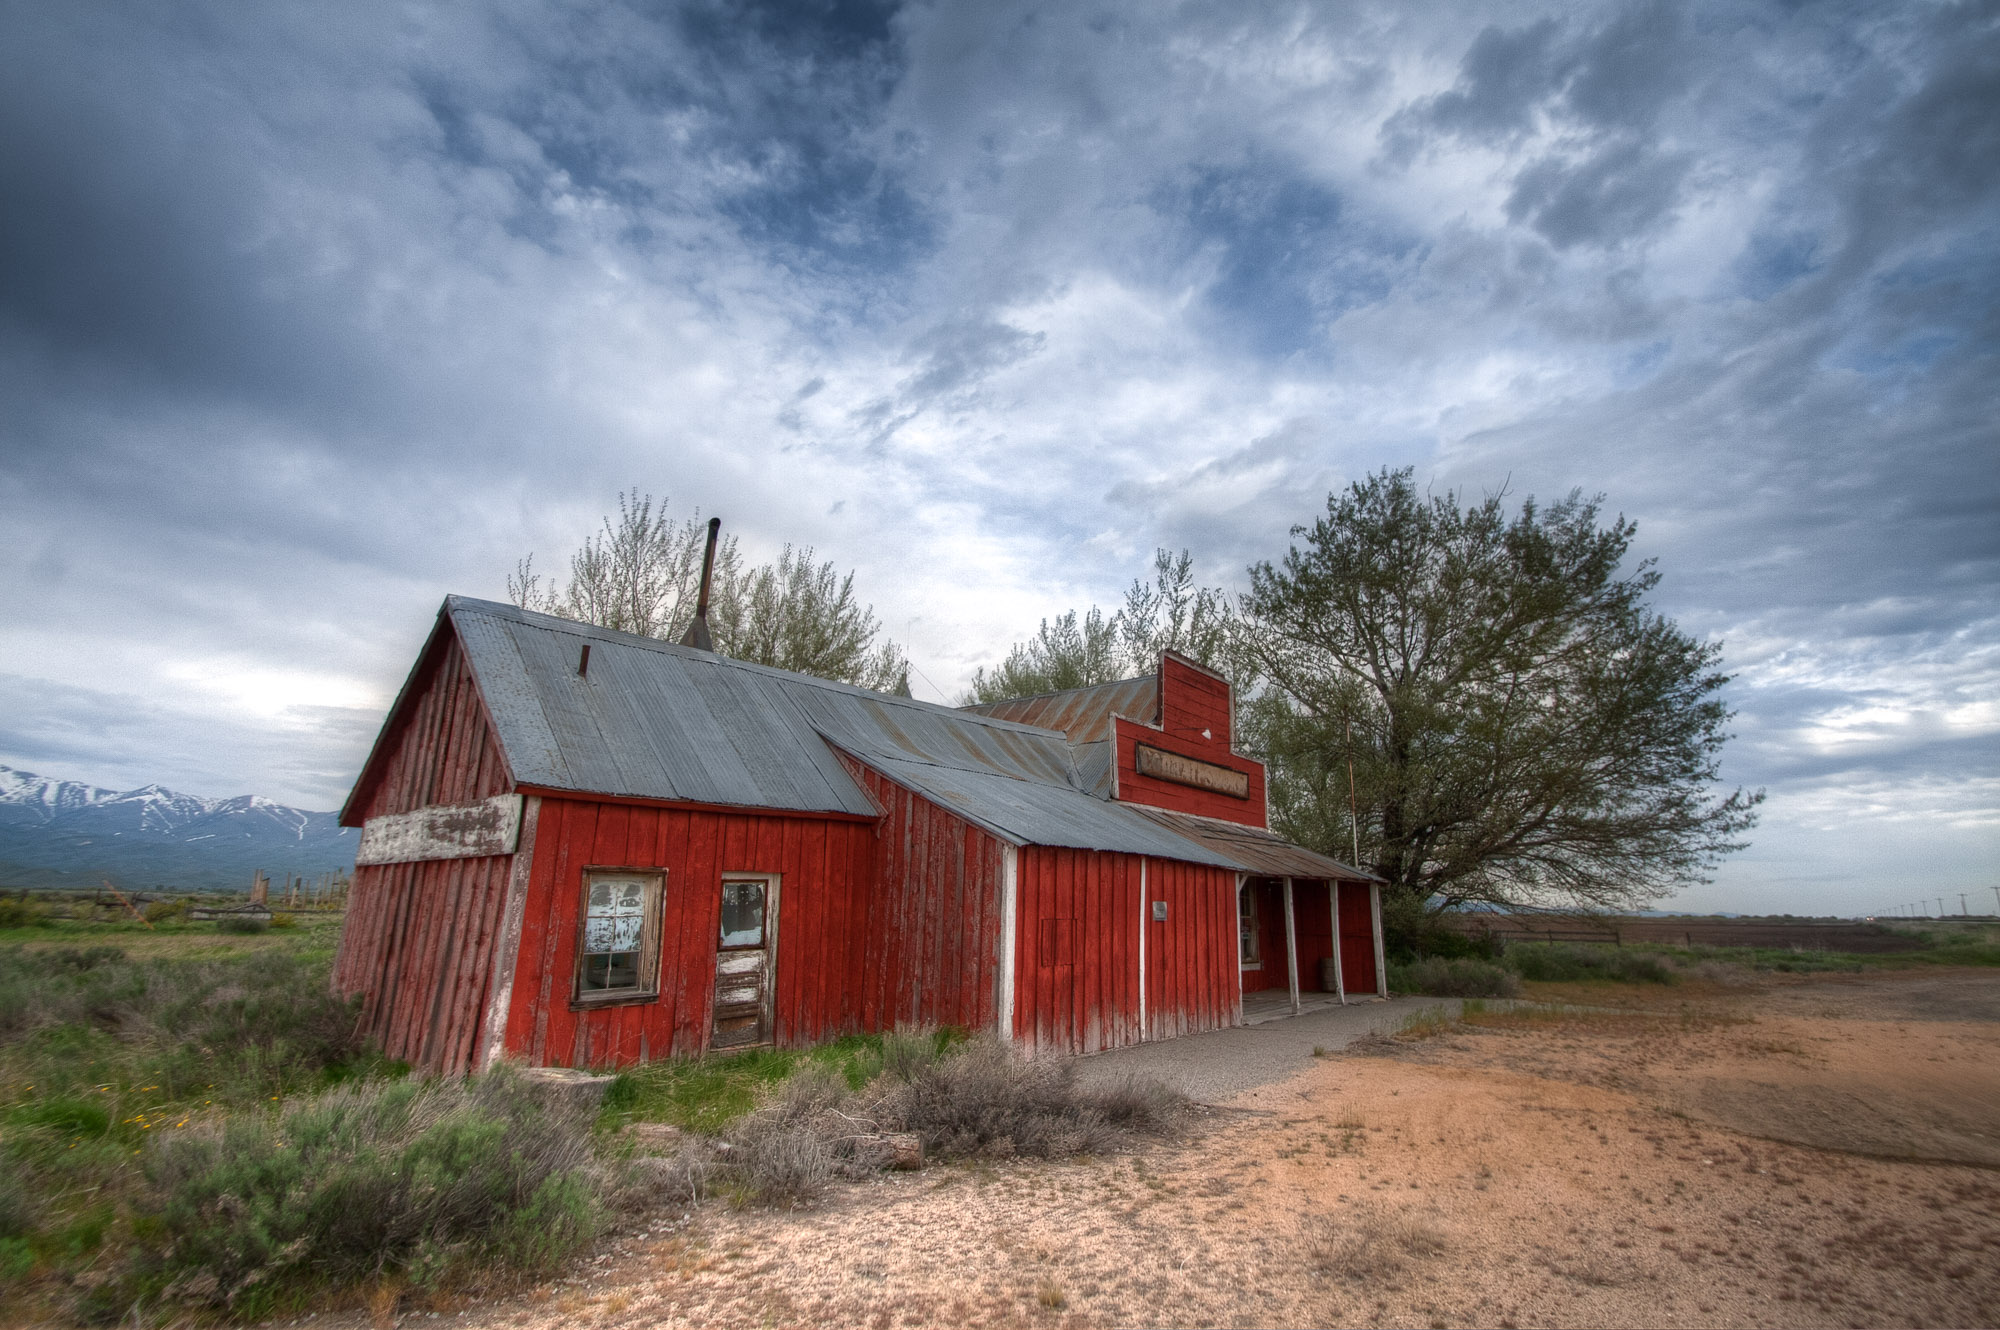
(310, 314)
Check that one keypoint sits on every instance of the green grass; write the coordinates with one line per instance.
(309, 936)
(1571, 962)
(707, 1094)
(1946, 943)
(1465, 976)
(115, 1037)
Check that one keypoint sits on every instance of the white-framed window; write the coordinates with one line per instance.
(1248, 955)
(618, 935)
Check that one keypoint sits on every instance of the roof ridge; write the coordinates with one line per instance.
(557, 623)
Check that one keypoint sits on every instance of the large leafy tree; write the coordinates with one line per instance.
(1518, 727)
(1172, 611)
(642, 574)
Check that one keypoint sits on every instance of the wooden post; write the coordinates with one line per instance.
(126, 902)
(1339, 979)
(1291, 948)
(1242, 885)
(1145, 914)
(1375, 918)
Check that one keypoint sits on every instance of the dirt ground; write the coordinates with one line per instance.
(1807, 1152)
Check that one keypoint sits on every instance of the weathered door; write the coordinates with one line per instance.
(745, 959)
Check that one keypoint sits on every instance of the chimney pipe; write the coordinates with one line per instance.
(697, 631)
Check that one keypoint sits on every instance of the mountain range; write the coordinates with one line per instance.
(66, 833)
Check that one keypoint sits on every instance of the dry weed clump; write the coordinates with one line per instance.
(1378, 1245)
(978, 1099)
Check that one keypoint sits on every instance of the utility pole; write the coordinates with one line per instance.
(1353, 802)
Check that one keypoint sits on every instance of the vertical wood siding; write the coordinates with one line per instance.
(1191, 703)
(1314, 913)
(826, 865)
(418, 942)
(1193, 700)
(1270, 974)
(1076, 986)
(1135, 788)
(442, 749)
(933, 932)
(418, 946)
(1357, 938)
(1192, 981)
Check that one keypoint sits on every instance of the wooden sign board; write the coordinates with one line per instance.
(1189, 771)
(442, 831)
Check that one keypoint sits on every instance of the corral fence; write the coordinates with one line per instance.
(1620, 931)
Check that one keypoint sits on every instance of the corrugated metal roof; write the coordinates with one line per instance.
(1083, 714)
(1253, 849)
(660, 721)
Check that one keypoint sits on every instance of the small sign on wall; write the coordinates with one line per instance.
(1159, 912)
(1151, 761)
(442, 831)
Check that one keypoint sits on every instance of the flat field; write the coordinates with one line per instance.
(1812, 1150)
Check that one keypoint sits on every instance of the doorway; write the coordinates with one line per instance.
(745, 960)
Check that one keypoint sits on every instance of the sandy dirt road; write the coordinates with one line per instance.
(1808, 1153)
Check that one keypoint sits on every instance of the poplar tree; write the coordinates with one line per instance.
(642, 574)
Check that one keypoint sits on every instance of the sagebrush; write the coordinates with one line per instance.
(976, 1098)
(425, 1182)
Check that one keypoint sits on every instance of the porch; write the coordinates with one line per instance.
(1304, 944)
(1269, 1005)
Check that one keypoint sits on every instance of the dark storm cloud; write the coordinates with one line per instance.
(1604, 88)
(129, 231)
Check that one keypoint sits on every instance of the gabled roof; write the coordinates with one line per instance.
(653, 720)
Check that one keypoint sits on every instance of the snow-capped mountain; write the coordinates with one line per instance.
(30, 800)
(64, 832)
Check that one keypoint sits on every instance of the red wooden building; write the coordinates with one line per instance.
(585, 848)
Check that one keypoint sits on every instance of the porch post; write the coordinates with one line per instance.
(1145, 911)
(1339, 979)
(1291, 948)
(1242, 881)
(1381, 962)
(1010, 905)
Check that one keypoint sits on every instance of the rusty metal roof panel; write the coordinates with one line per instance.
(1253, 849)
(655, 720)
(648, 719)
(1033, 813)
(1082, 714)
(1093, 766)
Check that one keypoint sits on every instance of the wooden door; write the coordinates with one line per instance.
(745, 959)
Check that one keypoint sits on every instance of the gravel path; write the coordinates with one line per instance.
(1221, 1064)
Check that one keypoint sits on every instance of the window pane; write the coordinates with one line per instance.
(1246, 927)
(614, 925)
(743, 914)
